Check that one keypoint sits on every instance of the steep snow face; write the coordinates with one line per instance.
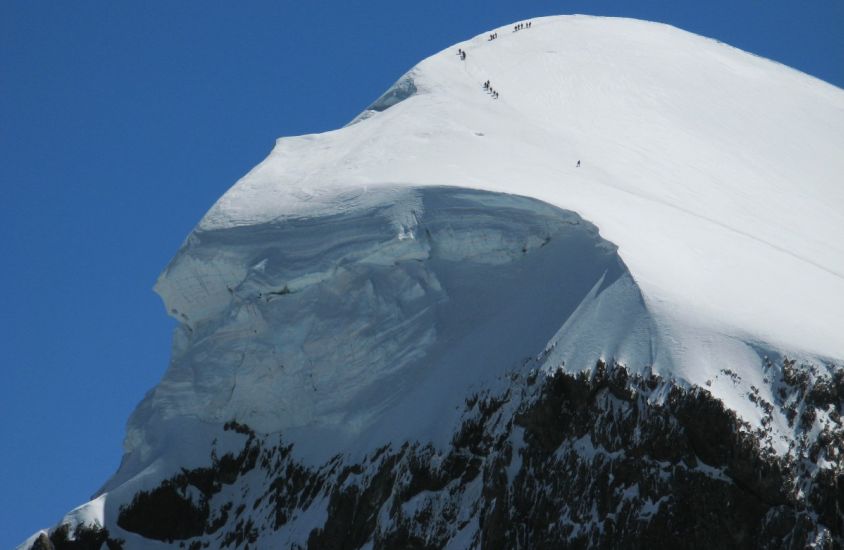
(717, 173)
(328, 285)
(379, 321)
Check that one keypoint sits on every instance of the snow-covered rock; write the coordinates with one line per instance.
(636, 247)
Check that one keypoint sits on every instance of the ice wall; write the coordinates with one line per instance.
(374, 321)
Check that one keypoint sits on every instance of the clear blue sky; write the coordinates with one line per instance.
(121, 123)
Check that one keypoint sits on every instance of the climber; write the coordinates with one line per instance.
(578, 164)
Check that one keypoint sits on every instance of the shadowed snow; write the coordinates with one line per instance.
(344, 323)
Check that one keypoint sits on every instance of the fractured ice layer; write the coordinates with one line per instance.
(377, 320)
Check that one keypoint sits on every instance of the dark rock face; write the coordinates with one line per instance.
(83, 537)
(600, 459)
(167, 513)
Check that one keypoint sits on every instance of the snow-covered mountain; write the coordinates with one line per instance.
(601, 306)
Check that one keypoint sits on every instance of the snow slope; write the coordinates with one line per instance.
(351, 290)
(717, 173)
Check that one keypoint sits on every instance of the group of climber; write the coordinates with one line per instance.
(489, 89)
(461, 53)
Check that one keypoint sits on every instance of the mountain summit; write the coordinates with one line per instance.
(577, 282)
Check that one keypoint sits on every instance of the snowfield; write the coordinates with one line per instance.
(354, 287)
(718, 174)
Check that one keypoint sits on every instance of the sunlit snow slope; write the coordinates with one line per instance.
(717, 173)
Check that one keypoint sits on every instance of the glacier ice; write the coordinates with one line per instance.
(344, 322)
